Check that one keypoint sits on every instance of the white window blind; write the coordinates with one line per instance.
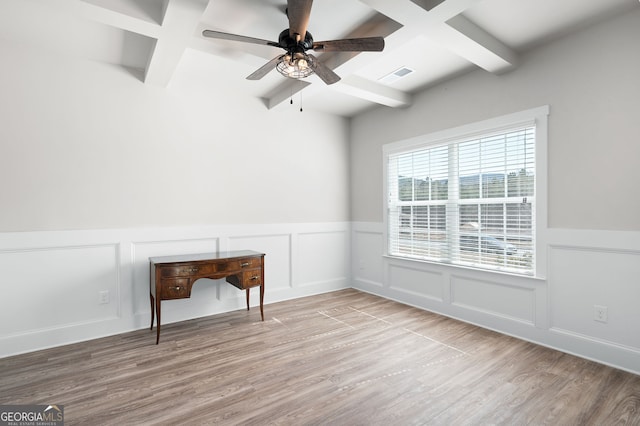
(468, 202)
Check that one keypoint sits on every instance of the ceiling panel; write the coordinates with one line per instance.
(524, 23)
(148, 10)
(438, 39)
(44, 26)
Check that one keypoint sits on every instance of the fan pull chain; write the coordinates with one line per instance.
(291, 99)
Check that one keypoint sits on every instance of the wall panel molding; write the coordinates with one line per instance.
(57, 276)
(416, 282)
(585, 268)
(515, 303)
(44, 280)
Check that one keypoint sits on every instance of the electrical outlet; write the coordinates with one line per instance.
(600, 313)
(103, 297)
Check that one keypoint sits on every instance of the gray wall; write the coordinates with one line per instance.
(85, 145)
(589, 80)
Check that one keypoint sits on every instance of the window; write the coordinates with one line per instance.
(470, 199)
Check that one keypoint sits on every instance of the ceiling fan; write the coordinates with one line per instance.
(296, 41)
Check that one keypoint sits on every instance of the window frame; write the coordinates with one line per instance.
(535, 116)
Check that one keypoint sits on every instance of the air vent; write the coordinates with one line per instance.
(396, 75)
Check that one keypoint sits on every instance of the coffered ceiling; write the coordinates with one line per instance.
(161, 43)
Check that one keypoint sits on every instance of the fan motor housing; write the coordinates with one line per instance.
(289, 43)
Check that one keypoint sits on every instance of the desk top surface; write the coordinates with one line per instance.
(203, 256)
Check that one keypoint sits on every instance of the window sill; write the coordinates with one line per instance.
(463, 268)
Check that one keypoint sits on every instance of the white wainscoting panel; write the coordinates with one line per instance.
(52, 287)
(320, 262)
(52, 280)
(416, 282)
(367, 267)
(583, 278)
(585, 268)
(514, 302)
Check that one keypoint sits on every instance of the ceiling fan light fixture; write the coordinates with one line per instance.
(295, 66)
(295, 63)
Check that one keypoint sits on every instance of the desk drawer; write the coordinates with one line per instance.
(246, 279)
(251, 278)
(186, 270)
(250, 262)
(177, 288)
(230, 266)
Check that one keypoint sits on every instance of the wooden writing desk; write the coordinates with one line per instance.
(173, 276)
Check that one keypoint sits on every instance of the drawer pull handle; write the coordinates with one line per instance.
(245, 264)
(255, 277)
(177, 288)
(193, 270)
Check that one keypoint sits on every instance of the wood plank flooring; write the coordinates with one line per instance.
(342, 358)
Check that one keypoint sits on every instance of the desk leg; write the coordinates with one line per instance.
(158, 315)
(248, 299)
(261, 300)
(152, 310)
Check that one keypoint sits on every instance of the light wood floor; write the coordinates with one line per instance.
(343, 358)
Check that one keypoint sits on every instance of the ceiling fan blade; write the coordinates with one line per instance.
(366, 44)
(265, 69)
(235, 37)
(298, 12)
(325, 73)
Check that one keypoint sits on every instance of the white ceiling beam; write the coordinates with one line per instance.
(447, 9)
(116, 19)
(405, 12)
(444, 25)
(180, 20)
(480, 47)
(148, 10)
(284, 92)
(372, 91)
